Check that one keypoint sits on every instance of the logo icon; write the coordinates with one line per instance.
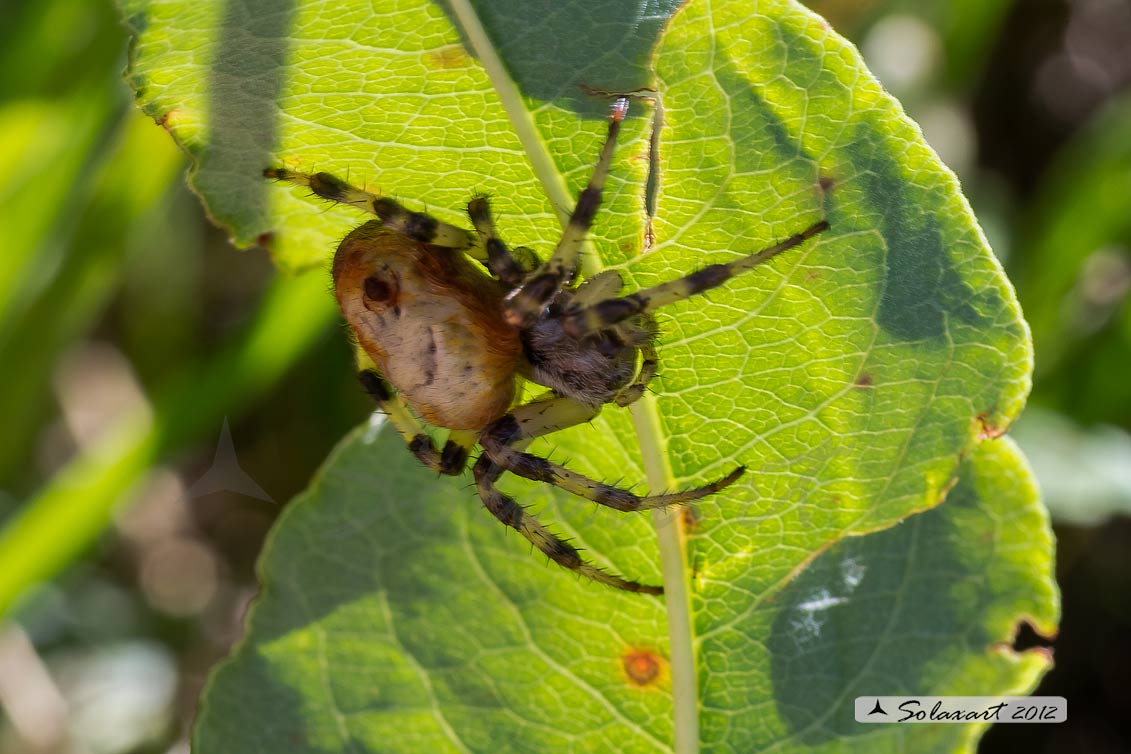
(225, 474)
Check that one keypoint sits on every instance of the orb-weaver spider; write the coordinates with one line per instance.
(449, 339)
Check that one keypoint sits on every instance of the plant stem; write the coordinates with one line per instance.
(673, 562)
(646, 420)
(553, 183)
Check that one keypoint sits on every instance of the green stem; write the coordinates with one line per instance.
(553, 183)
(645, 417)
(673, 563)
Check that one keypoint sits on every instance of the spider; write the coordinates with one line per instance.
(448, 321)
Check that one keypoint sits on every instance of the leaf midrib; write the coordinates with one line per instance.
(645, 416)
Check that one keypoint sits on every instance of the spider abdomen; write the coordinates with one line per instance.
(432, 323)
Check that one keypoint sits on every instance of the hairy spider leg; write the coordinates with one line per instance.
(532, 420)
(603, 285)
(415, 225)
(504, 508)
(649, 363)
(525, 304)
(611, 311)
(510, 268)
(451, 460)
(542, 416)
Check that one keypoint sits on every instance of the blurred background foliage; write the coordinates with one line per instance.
(163, 394)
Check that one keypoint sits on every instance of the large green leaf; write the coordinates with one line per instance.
(851, 375)
(404, 621)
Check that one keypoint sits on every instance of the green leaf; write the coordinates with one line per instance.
(404, 621)
(397, 104)
(852, 375)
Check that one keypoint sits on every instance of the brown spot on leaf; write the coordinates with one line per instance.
(447, 58)
(826, 183)
(628, 247)
(265, 239)
(641, 666)
(864, 380)
(988, 431)
(169, 120)
(689, 518)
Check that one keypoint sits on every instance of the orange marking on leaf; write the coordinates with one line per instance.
(988, 431)
(642, 666)
(169, 120)
(689, 517)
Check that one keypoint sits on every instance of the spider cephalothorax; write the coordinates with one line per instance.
(448, 321)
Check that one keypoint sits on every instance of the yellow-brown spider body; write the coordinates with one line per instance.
(432, 322)
(449, 320)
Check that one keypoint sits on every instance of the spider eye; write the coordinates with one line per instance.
(378, 290)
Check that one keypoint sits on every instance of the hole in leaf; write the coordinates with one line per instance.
(1026, 637)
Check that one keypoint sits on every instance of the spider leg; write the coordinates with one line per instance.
(525, 303)
(631, 393)
(510, 268)
(611, 311)
(543, 417)
(415, 225)
(558, 550)
(603, 285)
(451, 460)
